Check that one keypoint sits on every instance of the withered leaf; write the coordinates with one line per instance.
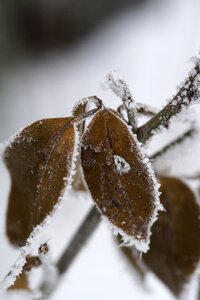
(175, 243)
(119, 177)
(39, 160)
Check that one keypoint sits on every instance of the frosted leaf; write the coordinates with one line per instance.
(31, 241)
(129, 202)
(41, 163)
(121, 165)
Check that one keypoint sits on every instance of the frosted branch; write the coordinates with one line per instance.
(82, 235)
(120, 88)
(188, 134)
(187, 94)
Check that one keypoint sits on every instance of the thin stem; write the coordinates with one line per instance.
(80, 238)
(84, 232)
(187, 94)
(188, 134)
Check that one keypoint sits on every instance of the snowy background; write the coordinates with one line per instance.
(151, 47)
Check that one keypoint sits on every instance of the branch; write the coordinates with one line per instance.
(80, 238)
(84, 232)
(187, 94)
(188, 134)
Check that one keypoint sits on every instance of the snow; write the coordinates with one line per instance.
(122, 166)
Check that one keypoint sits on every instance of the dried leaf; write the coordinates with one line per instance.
(120, 178)
(40, 161)
(175, 243)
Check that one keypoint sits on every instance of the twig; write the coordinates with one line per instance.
(188, 134)
(120, 88)
(80, 238)
(84, 232)
(187, 94)
(146, 110)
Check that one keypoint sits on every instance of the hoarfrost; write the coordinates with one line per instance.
(90, 103)
(120, 88)
(88, 100)
(188, 93)
(121, 164)
(127, 240)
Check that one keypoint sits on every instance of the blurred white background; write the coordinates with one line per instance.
(151, 47)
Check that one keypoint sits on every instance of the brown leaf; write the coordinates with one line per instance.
(175, 243)
(119, 177)
(39, 160)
